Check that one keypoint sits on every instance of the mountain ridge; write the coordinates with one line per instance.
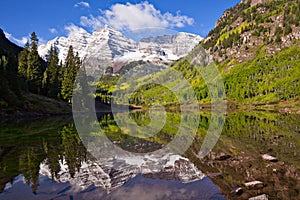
(109, 44)
(255, 46)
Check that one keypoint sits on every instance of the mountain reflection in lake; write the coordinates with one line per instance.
(46, 159)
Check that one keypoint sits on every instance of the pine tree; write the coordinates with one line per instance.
(51, 82)
(72, 65)
(23, 63)
(34, 70)
(82, 90)
(60, 78)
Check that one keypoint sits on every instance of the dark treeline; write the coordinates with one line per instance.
(56, 80)
(25, 72)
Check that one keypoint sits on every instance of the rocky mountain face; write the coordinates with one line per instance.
(111, 46)
(114, 173)
(171, 46)
(106, 42)
(251, 24)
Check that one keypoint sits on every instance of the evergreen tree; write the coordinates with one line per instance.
(34, 70)
(23, 65)
(51, 82)
(72, 65)
(60, 78)
(82, 89)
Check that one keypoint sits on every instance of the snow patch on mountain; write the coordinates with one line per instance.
(108, 44)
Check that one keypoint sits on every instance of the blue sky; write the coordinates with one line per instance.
(18, 18)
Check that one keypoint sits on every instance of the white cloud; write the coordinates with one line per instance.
(20, 42)
(82, 4)
(91, 22)
(52, 30)
(72, 28)
(136, 16)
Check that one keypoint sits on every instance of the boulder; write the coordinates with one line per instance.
(269, 158)
(223, 157)
(215, 175)
(260, 197)
(238, 191)
(286, 110)
(254, 185)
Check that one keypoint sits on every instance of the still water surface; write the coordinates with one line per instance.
(46, 159)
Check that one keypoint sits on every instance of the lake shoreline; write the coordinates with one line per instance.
(292, 107)
(33, 106)
(36, 106)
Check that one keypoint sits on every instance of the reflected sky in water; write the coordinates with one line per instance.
(46, 159)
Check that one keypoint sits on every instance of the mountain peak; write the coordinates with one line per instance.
(77, 31)
(106, 28)
(110, 45)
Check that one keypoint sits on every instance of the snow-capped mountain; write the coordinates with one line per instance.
(170, 45)
(106, 42)
(79, 40)
(110, 45)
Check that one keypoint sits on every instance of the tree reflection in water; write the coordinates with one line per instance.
(236, 159)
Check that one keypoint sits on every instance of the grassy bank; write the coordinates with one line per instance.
(32, 106)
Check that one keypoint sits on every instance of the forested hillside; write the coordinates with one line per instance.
(256, 47)
(28, 84)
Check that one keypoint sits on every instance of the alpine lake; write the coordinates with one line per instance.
(257, 153)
